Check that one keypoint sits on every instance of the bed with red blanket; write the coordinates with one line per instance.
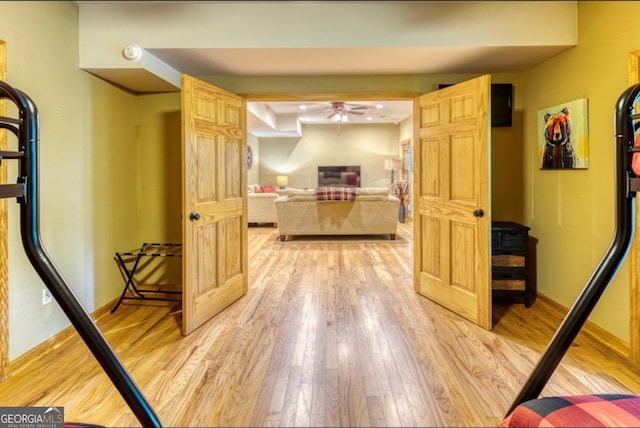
(596, 410)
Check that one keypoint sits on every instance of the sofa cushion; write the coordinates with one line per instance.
(373, 194)
(336, 193)
(374, 197)
(373, 191)
(301, 194)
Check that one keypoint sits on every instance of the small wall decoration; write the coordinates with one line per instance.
(563, 136)
(249, 157)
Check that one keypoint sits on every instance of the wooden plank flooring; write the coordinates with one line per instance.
(329, 334)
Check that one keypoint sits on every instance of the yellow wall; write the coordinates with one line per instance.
(357, 144)
(507, 143)
(110, 167)
(395, 83)
(102, 178)
(159, 182)
(571, 213)
(86, 169)
(507, 152)
(253, 174)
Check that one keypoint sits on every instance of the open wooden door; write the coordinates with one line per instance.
(451, 199)
(214, 227)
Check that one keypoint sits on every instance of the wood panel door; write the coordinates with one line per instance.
(451, 199)
(214, 227)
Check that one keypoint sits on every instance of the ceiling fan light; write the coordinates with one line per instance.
(344, 118)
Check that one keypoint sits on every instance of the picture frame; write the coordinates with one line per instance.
(563, 136)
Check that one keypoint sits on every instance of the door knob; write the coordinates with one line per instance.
(194, 216)
(478, 213)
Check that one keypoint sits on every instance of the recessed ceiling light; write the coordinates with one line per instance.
(303, 107)
(369, 118)
(379, 106)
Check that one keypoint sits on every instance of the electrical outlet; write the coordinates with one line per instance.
(46, 297)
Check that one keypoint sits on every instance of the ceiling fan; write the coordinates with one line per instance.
(339, 110)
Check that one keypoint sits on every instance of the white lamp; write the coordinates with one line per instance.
(392, 165)
(282, 181)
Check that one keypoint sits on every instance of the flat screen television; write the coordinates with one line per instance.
(501, 104)
(339, 176)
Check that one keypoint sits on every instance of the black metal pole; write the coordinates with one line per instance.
(608, 266)
(46, 269)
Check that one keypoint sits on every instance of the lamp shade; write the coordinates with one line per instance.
(282, 180)
(391, 164)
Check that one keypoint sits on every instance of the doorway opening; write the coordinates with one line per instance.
(362, 130)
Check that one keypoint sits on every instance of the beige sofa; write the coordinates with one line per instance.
(261, 207)
(373, 212)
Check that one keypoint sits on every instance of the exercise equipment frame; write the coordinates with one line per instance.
(26, 129)
(627, 183)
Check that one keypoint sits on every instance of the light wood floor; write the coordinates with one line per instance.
(329, 334)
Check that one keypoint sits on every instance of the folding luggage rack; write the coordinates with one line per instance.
(26, 129)
(147, 249)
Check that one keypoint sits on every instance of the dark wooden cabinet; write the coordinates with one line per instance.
(510, 260)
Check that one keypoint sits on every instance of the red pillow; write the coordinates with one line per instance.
(267, 189)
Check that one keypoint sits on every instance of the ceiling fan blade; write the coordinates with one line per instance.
(355, 112)
(358, 107)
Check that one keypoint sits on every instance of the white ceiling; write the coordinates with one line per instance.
(288, 116)
(349, 61)
(317, 38)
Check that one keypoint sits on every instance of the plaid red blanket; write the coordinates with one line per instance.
(598, 410)
(336, 194)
